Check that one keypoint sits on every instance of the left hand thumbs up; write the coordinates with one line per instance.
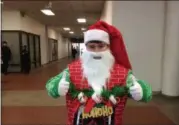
(136, 90)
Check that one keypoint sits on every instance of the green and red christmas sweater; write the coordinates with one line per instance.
(106, 113)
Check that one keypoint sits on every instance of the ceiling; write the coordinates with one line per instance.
(66, 13)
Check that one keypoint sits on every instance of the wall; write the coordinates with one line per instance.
(10, 20)
(142, 26)
(69, 47)
(52, 33)
(62, 47)
(107, 12)
(170, 85)
(65, 49)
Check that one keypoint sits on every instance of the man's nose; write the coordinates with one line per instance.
(96, 49)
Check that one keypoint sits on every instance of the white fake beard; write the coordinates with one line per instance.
(97, 71)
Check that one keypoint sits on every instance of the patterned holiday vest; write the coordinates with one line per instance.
(118, 77)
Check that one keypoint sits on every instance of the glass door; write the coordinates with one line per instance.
(50, 49)
(37, 51)
(32, 50)
(54, 50)
(12, 39)
(24, 39)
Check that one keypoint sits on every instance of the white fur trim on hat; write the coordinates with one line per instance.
(96, 35)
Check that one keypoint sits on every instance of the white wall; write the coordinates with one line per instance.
(52, 33)
(62, 47)
(170, 85)
(65, 50)
(107, 12)
(142, 26)
(70, 47)
(10, 20)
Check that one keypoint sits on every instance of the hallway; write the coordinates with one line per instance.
(25, 102)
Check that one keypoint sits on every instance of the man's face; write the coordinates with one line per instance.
(96, 46)
(25, 47)
(4, 44)
(97, 62)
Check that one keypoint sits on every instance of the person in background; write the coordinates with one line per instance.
(6, 57)
(54, 53)
(25, 56)
(77, 51)
(1, 63)
(74, 52)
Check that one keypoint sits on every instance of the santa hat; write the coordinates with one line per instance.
(101, 31)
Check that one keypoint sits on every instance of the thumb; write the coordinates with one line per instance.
(64, 76)
(134, 80)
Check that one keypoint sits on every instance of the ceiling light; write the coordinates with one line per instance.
(83, 29)
(47, 12)
(71, 32)
(66, 28)
(81, 20)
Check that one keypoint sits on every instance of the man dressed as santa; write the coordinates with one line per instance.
(98, 85)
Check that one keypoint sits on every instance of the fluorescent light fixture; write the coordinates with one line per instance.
(66, 28)
(81, 20)
(71, 32)
(83, 29)
(47, 12)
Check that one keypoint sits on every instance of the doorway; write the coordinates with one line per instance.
(53, 49)
(12, 38)
(32, 41)
(34, 49)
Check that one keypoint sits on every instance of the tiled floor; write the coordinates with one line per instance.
(53, 115)
(25, 102)
(36, 80)
(170, 107)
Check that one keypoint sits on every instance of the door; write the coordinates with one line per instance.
(37, 51)
(12, 38)
(24, 39)
(32, 50)
(50, 49)
(54, 50)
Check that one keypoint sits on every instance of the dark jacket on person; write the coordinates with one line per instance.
(6, 54)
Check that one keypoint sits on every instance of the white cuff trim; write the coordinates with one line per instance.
(96, 98)
(81, 97)
(112, 99)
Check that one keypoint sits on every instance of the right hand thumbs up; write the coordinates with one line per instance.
(63, 85)
(64, 76)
